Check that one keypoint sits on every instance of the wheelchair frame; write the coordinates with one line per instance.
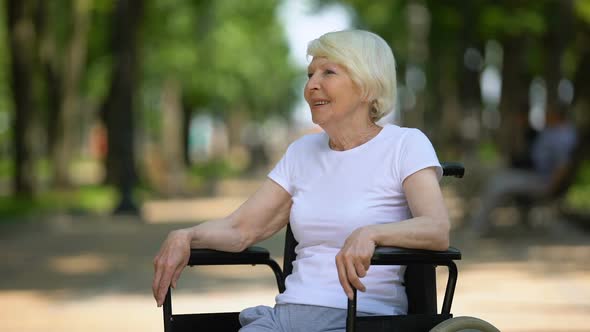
(420, 282)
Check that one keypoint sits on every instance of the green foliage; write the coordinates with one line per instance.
(5, 94)
(488, 152)
(578, 197)
(96, 81)
(5, 115)
(204, 174)
(214, 169)
(232, 56)
(512, 20)
(386, 18)
(229, 56)
(582, 10)
(88, 199)
(97, 78)
(6, 167)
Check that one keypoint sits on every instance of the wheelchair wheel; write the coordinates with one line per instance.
(464, 323)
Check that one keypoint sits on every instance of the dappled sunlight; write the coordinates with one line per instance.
(555, 256)
(94, 269)
(29, 311)
(517, 297)
(190, 210)
(81, 264)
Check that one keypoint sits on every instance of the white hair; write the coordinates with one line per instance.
(369, 62)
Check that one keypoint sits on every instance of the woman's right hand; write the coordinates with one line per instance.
(169, 263)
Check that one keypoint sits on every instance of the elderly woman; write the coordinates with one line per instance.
(354, 186)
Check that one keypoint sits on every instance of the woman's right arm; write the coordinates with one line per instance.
(262, 215)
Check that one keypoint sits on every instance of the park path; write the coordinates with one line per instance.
(90, 273)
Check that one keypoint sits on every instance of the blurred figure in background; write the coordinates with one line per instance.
(551, 156)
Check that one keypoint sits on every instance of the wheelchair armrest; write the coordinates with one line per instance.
(453, 169)
(403, 256)
(252, 255)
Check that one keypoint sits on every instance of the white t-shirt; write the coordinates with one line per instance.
(336, 192)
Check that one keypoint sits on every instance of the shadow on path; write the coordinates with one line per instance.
(87, 256)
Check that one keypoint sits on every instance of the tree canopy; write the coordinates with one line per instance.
(108, 80)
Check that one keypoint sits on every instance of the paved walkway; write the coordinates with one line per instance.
(94, 274)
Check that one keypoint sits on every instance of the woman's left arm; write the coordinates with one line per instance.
(427, 229)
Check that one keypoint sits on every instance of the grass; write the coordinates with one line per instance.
(86, 199)
(92, 199)
(211, 170)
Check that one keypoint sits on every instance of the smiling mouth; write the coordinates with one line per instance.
(321, 103)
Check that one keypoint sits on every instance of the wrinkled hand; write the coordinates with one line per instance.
(169, 263)
(354, 259)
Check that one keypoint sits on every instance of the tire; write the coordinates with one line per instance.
(464, 323)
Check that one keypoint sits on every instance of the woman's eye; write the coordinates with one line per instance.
(325, 72)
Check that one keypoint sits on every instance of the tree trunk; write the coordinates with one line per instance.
(555, 42)
(118, 107)
(582, 93)
(53, 87)
(468, 84)
(186, 122)
(469, 87)
(447, 104)
(235, 121)
(514, 94)
(69, 116)
(172, 136)
(48, 68)
(22, 49)
(418, 29)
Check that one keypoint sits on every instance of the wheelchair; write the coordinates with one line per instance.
(420, 284)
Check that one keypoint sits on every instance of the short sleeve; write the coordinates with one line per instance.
(417, 153)
(282, 173)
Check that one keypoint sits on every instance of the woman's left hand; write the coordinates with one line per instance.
(354, 259)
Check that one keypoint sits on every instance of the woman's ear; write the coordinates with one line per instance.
(367, 98)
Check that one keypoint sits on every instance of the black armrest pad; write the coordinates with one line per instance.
(403, 256)
(382, 256)
(252, 255)
(453, 169)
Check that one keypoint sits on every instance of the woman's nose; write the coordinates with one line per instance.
(312, 83)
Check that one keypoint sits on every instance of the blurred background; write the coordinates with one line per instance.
(123, 119)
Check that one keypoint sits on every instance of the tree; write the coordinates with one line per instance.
(119, 106)
(581, 47)
(73, 69)
(5, 97)
(226, 58)
(22, 38)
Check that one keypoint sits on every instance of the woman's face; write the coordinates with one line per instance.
(330, 92)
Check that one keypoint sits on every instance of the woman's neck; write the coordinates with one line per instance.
(346, 138)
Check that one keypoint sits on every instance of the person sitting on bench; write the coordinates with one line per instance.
(551, 155)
